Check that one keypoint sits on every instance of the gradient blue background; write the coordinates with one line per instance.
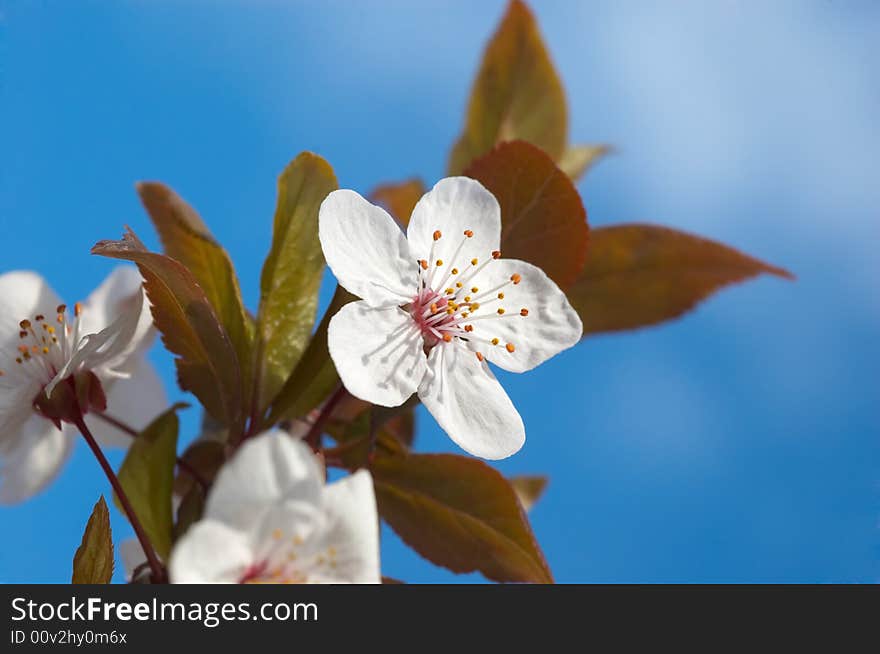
(739, 444)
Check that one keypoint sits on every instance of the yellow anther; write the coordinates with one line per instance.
(455, 272)
(439, 262)
(479, 357)
(501, 296)
(277, 534)
(50, 329)
(523, 312)
(457, 284)
(468, 233)
(496, 254)
(450, 291)
(467, 298)
(450, 311)
(474, 261)
(495, 341)
(510, 348)
(500, 311)
(474, 306)
(447, 337)
(45, 350)
(437, 235)
(465, 314)
(474, 289)
(516, 278)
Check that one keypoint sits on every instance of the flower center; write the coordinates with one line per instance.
(449, 300)
(45, 345)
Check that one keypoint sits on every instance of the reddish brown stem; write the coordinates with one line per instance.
(156, 568)
(313, 437)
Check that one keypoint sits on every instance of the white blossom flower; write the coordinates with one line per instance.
(47, 354)
(270, 518)
(437, 305)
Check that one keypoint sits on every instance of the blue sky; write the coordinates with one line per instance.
(741, 443)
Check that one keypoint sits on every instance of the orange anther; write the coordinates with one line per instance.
(496, 254)
(523, 312)
(447, 337)
(516, 278)
(501, 296)
(474, 261)
(510, 348)
(479, 357)
(423, 264)
(77, 309)
(469, 328)
(433, 307)
(437, 235)
(468, 233)
(500, 311)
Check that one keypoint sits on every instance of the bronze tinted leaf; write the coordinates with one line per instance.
(529, 489)
(399, 199)
(640, 275)
(292, 272)
(543, 220)
(206, 360)
(186, 238)
(517, 94)
(578, 159)
(93, 561)
(458, 513)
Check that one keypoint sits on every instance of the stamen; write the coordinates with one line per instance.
(516, 278)
(39, 317)
(510, 348)
(447, 337)
(437, 234)
(479, 356)
(25, 324)
(439, 262)
(63, 307)
(496, 254)
(468, 233)
(501, 296)
(474, 261)
(469, 328)
(500, 311)
(474, 289)
(423, 264)
(457, 284)
(495, 341)
(523, 312)
(455, 272)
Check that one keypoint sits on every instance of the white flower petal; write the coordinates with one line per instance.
(38, 452)
(23, 295)
(210, 552)
(550, 327)
(132, 555)
(454, 205)
(349, 548)
(137, 400)
(268, 470)
(469, 404)
(377, 352)
(111, 299)
(366, 250)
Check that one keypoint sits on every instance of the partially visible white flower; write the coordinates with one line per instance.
(437, 304)
(102, 342)
(270, 518)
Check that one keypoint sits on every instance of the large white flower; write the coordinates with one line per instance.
(48, 353)
(437, 305)
(270, 518)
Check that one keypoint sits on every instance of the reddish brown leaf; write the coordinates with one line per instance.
(206, 361)
(458, 513)
(640, 275)
(542, 216)
(399, 199)
(517, 94)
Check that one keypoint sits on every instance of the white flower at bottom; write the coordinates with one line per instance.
(437, 304)
(44, 346)
(270, 518)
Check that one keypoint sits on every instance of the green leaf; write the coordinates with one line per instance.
(93, 561)
(543, 220)
(399, 199)
(459, 513)
(187, 239)
(205, 456)
(578, 159)
(641, 275)
(147, 477)
(190, 511)
(529, 489)
(517, 94)
(315, 377)
(292, 272)
(206, 360)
